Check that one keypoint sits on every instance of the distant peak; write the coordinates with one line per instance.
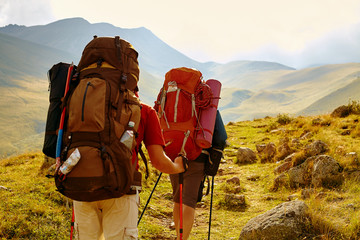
(13, 26)
(75, 20)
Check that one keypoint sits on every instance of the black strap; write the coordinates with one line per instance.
(144, 160)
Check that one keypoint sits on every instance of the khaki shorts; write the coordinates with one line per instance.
(191, 183)
(111, 219)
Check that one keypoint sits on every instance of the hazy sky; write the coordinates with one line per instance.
(221, 31)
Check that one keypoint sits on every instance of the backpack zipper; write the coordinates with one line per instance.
(83, 103)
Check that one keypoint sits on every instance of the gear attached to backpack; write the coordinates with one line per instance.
(179, 102)
(102, 118)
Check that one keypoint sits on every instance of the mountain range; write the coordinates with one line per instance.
(250, 89)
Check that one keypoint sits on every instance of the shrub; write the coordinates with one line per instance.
(283, 119)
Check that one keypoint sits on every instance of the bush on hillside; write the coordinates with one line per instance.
(353, 107)
(283, 119)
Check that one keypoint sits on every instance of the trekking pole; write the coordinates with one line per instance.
(62, 119)
(72, 224)
(60, 134)
(143, 211)
(181, 181)
(211, 202)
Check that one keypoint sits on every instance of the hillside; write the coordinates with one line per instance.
(345, 94)
(25, 191)
(294, 92)
(22, 58)
(250, 89)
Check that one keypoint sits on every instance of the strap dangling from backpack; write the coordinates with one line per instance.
(143, 157)
(122, 80)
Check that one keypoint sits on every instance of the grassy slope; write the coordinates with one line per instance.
(23, 115)
(293, 91)
(34, 210)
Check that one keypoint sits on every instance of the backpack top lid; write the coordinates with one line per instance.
(185, 78)
(115, 51)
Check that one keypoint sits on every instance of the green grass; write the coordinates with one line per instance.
(30, 207)
(34, 210)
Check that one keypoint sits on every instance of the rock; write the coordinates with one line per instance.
(253, 177)
(300, 175)
(5, 189)
(306, 135)
(340, 150)
(306, 193)
(280, 181)
(284, 149)
(283, 222)
(260, 147)
(292, 197)
(234, 180)
(315, 148)
(327, 172)
(290, 157)
(316, 171)
(283, 167)
(353, 158)
(235, 201)
(266, 152)
(321, 195)
(245, 156)
(295, 142)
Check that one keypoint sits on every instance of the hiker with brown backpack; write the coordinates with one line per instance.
(187, 108)
(104, 124)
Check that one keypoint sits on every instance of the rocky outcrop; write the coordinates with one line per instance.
(245, 156)
(315, 148)
(316, 171)
(285, 221)
(326, 172)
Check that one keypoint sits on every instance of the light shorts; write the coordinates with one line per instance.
(114, 218)
(191, 183)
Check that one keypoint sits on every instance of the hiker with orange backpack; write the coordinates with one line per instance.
(180, 104)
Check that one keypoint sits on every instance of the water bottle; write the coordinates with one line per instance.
(128, 137)
(70, 163)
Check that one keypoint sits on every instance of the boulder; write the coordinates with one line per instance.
(316, 171)
(283, 222)
(300, 175)
(326, 172)
(235, 202)
(315, 148)
(283, 167)
(284, 150)
(245, 156)
(234, 180)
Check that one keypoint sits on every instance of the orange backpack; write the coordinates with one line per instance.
(178, 105)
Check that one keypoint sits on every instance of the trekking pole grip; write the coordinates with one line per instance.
(185, 162)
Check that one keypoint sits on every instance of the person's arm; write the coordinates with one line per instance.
(162, 162)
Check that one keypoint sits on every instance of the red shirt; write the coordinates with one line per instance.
(149, 130)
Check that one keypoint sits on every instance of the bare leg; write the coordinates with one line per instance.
(188, 220)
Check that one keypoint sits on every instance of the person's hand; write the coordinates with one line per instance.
(181, 164)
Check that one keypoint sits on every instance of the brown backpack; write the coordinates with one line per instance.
(98, 112)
